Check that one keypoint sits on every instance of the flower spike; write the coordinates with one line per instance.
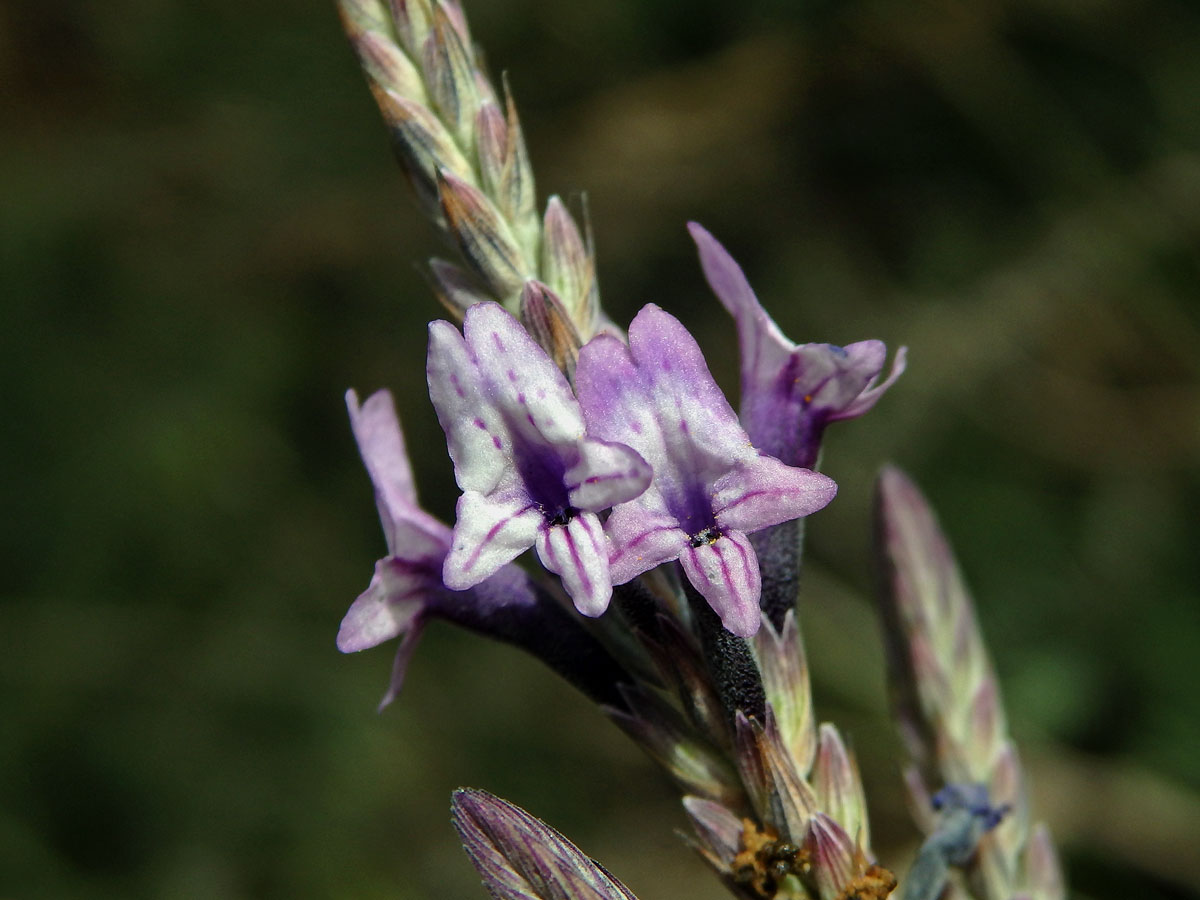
(710, 487)
(529, 474)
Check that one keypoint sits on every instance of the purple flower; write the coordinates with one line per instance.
(407, 589)
(408, 581)
(790, 392)
(710, 487)
(529, 474)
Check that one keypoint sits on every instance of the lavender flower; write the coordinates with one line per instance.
(407, 588)
(529, 475)
(710, 487)
(408, 580)
(790, 392)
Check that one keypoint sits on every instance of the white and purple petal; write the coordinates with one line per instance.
(763, 491)
(577, 552)
(642, 538)
(528, 471)
(387, 608)
(605, 474)
(489, 531)
(726, 572)
(381, 444)
(475, 432)
(710, 486)
(521, 382)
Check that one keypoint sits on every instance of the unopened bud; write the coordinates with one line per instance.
(359, 16)
(544, 318)
(1042, 870)
(659, 730)
(516, 192)
(784, 669)
(835, 859)
(566, 263)
(450, 76)
(491, 138)
(483, 236)
(718, 831)
(385, 63)
(421, 143)
(838, 785)
(413, 19)
(778, 793)
(521, 857)
(458, 18)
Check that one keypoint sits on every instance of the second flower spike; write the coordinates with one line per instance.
(529, 474)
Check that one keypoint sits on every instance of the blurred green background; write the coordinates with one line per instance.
(204, 241)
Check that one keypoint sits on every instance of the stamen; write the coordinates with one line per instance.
(562, 517)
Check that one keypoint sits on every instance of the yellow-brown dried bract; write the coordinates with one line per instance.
(877, 883)
(764, 860)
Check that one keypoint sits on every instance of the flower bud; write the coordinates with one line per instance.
(544, 318)
(421, 143)
(385, 63)
(784, 669)
(483, 236)
(413, 19)
(450, 76)
(838, 785)
(567, 265)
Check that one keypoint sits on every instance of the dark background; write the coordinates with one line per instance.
(204, 241)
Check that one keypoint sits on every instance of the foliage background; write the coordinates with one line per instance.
(204, 242)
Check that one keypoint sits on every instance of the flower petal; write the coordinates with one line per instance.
(606, 474)
(521, 379)
(726, 573)
(641, 539)
(688, 402)
(764, 348)
(489, 532)
(385, 609)
(475, 432)
(578, 553)
(869, 396)
(381, 444)
(764, 492)
(790, 392)
(609, 386)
